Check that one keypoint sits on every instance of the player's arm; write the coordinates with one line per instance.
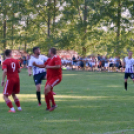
(29, 71)
(30, 64)
(40, 66)
(56, 66)
(53, 67)
(3, 77)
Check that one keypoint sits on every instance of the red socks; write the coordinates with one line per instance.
(47, 101)
(17, 102)
(49, 97)
(9, 104)
(50, 94)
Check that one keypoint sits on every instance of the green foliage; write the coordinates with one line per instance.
(86, 26)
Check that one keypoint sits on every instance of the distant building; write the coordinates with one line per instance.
(18, 54)
(67, 54)
(62, 53)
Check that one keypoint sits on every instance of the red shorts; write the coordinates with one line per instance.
(12, 86)
(53, 82)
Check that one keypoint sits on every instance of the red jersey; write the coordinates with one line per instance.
(12, 67)
(51, 73)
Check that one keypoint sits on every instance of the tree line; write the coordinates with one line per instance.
(86, 26)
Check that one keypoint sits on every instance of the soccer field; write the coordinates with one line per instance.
(88, 103)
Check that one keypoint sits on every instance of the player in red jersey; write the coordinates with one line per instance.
(54, 77)
(11, 68)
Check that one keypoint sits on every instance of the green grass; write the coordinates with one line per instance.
(87, 103)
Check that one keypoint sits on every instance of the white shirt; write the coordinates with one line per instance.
(111, 60)
(129, 65)
(40, 61)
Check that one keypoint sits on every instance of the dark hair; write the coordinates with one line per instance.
(35, 48)
(7, 52)
(53, 50)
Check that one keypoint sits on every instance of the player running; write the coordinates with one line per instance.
(11, 68)
(54, 77)
(39, 74)
(128, 63)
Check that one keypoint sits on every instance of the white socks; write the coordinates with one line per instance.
(19, 108)
(12, 109)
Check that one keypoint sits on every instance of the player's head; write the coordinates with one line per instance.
(8, 53)
(52, 51)
(130, 53)
(36, 50)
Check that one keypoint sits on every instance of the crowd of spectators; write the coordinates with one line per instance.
(89, 63)
(94, 63)
(24, 61)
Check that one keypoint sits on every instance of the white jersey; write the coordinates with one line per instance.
(40, 61)
(129, 65)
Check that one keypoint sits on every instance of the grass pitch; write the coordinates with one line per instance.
(88, 103)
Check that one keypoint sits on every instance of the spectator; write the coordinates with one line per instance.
(99, 57)
(74, 62)
(106, 63)
(100, 63)
(111, 63)
(117, 63)
(81, 63)
(93, 63)
(103, 59)
(24, 61)
(78, 62)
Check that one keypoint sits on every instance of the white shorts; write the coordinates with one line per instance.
(106, 64)
(93, 63)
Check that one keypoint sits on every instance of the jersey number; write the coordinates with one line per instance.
(13, 66)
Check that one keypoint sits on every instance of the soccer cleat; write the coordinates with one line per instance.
(51, 109)
(39, 104)
(54, 93)
(54, 106)
(11, 111)
(19, 109)
(47, 109)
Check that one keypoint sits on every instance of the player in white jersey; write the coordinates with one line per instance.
(129, 63)
(39, 74)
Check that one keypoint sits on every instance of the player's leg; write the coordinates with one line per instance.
(37, 80)
(8, 88)
(38, 93)
(47, 95)
(125, 82)
(9, 103)
(17, 102)
(16, 90)
(47, 99)
(44, 77)
(49, 92)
